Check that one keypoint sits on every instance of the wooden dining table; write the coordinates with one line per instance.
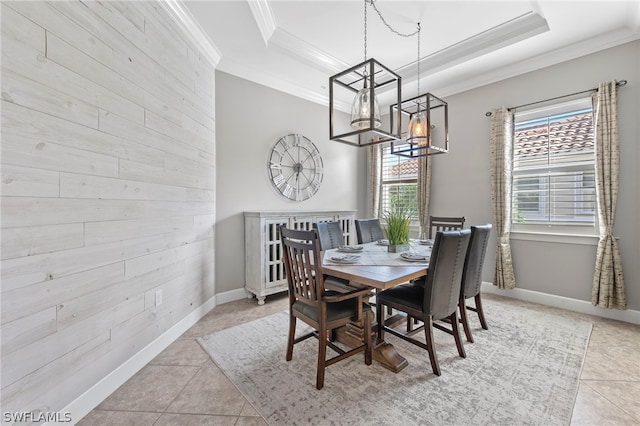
(373, 272)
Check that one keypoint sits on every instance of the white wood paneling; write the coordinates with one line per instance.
(30, 240)
(29, 182)
(108, 191)
(29, 329)
(41, 154)
(26, 92)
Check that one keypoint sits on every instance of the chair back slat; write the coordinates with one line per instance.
(330, 234)
(302, 264)
(440, 223)
(474, 261)
(444, 280)
(369, 230)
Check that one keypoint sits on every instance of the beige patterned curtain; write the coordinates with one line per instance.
(424, 194)
(501, 152)
(608, 280)
(374, 168)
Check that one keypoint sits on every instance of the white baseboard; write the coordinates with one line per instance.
(86, 402)
(584, 307)
(231, 296)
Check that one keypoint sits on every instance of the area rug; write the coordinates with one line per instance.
(524, 370)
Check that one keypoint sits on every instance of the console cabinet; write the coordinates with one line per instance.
(264, 265)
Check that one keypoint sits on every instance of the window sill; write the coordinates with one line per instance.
(587, 240)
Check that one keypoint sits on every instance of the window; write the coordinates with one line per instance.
(399, 180)
(554, 166)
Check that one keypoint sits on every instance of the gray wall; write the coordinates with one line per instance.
(108, 191)
(460, 178)
(250, 118)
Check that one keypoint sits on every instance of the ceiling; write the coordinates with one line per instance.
(295, 46)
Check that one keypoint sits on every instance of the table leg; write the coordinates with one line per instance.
(383, 352)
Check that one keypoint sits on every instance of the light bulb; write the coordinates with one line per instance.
(417, 132)
(361, 110)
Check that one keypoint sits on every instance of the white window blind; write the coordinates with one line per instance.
(399, 182)
(553, 165)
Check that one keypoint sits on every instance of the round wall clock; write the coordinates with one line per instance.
(295, 167)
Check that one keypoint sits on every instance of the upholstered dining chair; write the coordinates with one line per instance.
(433, 298)
(472, 277)
(330, 234)
(322, 309)
(369, 230)
(440, 223)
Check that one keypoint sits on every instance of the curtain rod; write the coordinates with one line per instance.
(618, 84)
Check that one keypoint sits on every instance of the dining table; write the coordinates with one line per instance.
(373, 265)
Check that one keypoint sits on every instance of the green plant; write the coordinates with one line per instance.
(398, 219)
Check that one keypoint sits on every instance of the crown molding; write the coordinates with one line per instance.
(192, 30)
(264, 17)
(567, 53)
(306, 52)
(512, 31)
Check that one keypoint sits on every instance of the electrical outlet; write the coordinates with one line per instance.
(158, 297)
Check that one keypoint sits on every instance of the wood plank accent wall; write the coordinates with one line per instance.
(108, 191)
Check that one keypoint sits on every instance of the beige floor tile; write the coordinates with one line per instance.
(151, 389)
(251, 421)
(592, 409)
(209, 392)
(171, 419)
(625, 395)
(118, 418)
(184, 351)
(248, 410)
(610, 363)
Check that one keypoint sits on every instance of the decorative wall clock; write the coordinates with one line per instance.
(295, 167)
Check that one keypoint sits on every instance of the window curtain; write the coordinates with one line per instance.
(501, 164)
(608, 280)
(374, 180)
(424, 194)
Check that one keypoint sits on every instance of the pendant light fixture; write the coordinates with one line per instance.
(428, 118)
(366, 80)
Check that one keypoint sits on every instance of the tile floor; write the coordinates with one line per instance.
(182, 386)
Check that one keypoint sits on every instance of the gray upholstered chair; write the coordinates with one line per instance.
(369, 230)
(440, 223)
(472, 277)
(330, 234)
(433, 298)
(324, 310)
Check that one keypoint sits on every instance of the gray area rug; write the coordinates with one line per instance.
(524, 370)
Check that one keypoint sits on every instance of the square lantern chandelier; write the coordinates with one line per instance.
(425, 115)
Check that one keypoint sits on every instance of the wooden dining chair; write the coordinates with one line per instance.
(330, 234)
(433, 298)
(369, 230)
(322, 309)
(472, 277)
(440, 223)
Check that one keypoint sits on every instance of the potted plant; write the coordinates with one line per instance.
(398, 219)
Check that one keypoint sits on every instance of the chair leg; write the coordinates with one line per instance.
(483, 322)
(367, 339)
(322, 356)
(464, 319)
(292, 335)
(456, 334)
(428, 334)
(380, 321)
(410, 323)
(333, 335)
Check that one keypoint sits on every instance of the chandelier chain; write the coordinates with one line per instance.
(389, 26)
(418, 58)
(365, 30)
